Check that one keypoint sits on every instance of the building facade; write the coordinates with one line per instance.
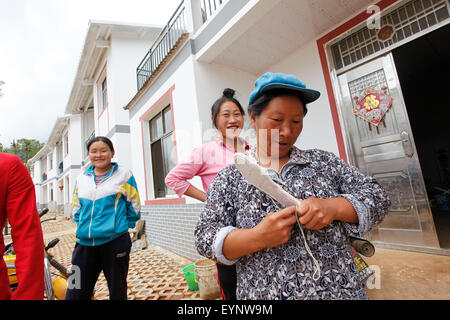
(103, 84)
(350, 51)
(375, 63)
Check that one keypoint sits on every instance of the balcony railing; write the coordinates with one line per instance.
(164, 44)
(210, 7)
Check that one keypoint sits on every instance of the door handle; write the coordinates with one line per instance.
(407, 145)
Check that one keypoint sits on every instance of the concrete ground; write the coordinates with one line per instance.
(155, 273)
(410, 276)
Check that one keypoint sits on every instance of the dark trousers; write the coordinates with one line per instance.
(227, 281)
(112, 258)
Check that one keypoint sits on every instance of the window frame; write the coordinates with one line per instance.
(166, 133)
(102, 93)
(164, 99)
(66, 144)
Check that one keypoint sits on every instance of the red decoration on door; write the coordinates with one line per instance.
(373, 106)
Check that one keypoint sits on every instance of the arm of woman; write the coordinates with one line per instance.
(216, 218)
(130, 190)
(177, 178)
(273, 231)
(367, 197)
(76, 206)
(217, 236)
(316, 214)
(195, 193)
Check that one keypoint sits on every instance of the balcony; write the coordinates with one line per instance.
(210, 7)
(163, 48)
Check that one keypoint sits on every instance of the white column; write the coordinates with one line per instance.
(193, 15)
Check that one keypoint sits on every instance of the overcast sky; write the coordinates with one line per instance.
(40, 47)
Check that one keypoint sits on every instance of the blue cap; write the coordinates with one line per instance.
(270, 81)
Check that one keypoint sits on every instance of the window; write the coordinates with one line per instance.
(66, 144)
(103, 95)
(50, 161)
(161, 145)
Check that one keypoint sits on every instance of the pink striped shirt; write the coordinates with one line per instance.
(205, 162)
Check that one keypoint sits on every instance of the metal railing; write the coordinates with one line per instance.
(209, 7)
(164, 43)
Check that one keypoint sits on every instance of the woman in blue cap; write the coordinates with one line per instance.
(241, 225)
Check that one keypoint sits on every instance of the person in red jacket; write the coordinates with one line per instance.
(18, 205)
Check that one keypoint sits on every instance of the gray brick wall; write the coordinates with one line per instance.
(172, 227)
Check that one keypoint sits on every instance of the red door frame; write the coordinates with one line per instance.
(353, 22)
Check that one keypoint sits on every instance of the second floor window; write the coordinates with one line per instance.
(104, 89)
(161, 135)
(50, 161)
(66, 145)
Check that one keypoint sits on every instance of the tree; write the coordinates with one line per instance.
(25, 149)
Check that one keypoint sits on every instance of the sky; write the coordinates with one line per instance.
(40, 47)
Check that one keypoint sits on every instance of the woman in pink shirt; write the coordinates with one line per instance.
(227, 115)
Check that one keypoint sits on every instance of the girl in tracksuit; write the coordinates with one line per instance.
(105, 204)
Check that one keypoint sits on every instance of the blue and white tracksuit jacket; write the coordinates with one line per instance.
(106, 210)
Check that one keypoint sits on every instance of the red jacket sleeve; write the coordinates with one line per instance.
(26, 232)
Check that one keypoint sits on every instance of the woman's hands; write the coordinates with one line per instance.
(316, 214)
(272, 231)
(275, 229)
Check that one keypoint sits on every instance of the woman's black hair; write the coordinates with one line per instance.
(228, 95)
(100, 138)
(261, 102)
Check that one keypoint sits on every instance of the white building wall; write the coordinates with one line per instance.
(188, 132)
(75, 143)
(120, 62)
(126, 54)
(51, 158)
(318, 129)
(121, 143)
(37, 179)
(88, 126)
(211, 80)
(101, 118)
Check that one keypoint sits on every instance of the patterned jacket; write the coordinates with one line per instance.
(106, 210)
(286, 272)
